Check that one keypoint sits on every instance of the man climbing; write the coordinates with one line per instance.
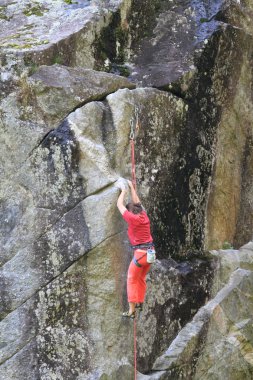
(141, 240)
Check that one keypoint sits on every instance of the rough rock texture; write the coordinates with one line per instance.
(58, 89)
(229, 216)
(68, 190)
(175, 293)
(217, 343)
(64, 142)
(63, 323)
(168, 47)
(56, 31)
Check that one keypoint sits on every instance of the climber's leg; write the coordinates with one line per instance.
(136, 279)
(142, 286)
(132, 283)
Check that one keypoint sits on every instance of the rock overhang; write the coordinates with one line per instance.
(47, 32)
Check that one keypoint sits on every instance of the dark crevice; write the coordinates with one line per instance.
(100, 98)
(62, 215)
(236, 27)
(173, 91)
(20, 349)
(39, 143)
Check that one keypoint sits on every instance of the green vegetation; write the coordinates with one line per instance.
(32, 66)
(25, 95)
(28, 43)
(58, 59)
(70, 2)
(3, 15)
(36, 10)
(120, 70)
(110, 45)
(227, 245)
(204, 19)
(121, 38)
(28, 26)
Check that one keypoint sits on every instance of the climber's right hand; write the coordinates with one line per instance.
(122, 184)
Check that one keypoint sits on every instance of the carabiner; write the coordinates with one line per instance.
(132, 129)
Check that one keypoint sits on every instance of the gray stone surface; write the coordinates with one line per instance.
(64, 142)
(54, 31)
(70, 321)
(175, 293)
(187, 341)
(228, 349)
(58, 89)
(237, 13)
(229, 260)
(68, 240)
(69, 193)
(217, 343)
(171, 42)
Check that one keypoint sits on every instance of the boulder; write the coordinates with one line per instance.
(58, 89)
(227, 261)
(73, 319)
(47, 257)
(67, 195)
(55, 32)
(27, 198)
(221, 325)
(64, 142)
(174, 294)
(171, 40)
(236, 13)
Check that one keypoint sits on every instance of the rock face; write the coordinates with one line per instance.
(56, 32)
(65, 120)
(217, 343)
(230, 188)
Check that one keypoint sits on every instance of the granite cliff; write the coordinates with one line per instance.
(73, 75)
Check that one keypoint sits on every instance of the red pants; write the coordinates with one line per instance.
(136, 278)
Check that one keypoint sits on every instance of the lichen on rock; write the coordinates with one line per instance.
(64, 134)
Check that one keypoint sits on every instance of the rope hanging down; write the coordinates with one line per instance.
(135, 351)
(134, 127)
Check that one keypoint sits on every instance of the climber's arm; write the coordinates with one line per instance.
(120, 201)
(134, 195)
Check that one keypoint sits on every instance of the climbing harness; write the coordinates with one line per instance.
(136, 262)
(149, 252)
(146, 246)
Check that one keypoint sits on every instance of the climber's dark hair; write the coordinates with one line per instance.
(135, 208)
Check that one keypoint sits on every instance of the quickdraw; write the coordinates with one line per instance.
(134, 126)
(134, 123)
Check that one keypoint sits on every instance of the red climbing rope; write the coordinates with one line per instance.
(132, 136)
(135, 351)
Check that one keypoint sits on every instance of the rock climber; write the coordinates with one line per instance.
(141, 240)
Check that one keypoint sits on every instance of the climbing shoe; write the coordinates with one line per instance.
(139, 306)
(126, 314)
